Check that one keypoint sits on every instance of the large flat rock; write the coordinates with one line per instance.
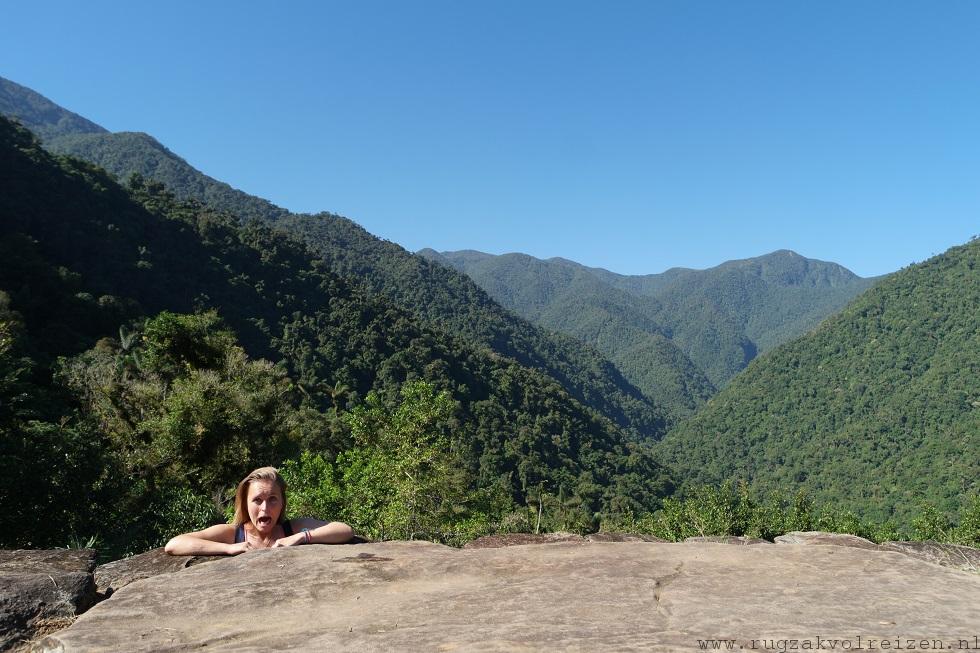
(568, 596)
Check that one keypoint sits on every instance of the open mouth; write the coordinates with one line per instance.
(264, 521)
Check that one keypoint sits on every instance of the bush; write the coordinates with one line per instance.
(404, 479)
(729, 509)
(968, 530)
(931, 524)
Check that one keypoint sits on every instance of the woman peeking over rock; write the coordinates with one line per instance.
(259, 523)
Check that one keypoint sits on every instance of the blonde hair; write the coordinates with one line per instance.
(241, 494)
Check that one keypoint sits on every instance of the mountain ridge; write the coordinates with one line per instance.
(39, 114)
(720, 317)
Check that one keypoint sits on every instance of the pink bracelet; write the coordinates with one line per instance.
(309, 538)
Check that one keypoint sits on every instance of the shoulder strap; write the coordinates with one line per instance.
(240, 534)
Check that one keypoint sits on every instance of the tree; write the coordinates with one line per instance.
(406, 452)
(403, 479)
(192, 418)
(51, 461)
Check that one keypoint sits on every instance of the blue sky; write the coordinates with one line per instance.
(634, 136)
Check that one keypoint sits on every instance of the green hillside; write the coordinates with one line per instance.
(565, 297)
(720, 318)
(440, 298)
(126, 153)
(876, 410)
(83, 260)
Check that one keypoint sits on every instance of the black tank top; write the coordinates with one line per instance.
(287, 530)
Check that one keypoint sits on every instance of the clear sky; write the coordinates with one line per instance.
(634, 136)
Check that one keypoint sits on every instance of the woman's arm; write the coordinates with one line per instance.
(321, 532)
(215, 540)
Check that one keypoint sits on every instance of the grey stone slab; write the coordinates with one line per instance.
(565, 596)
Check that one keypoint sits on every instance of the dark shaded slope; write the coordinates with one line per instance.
(127, 153)
(875, 410)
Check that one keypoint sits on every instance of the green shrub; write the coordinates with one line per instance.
(968, 530)
(931, 524)
(404, 479)
(729, 509)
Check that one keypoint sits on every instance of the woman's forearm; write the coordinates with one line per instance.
(334, 532)
(186, 545)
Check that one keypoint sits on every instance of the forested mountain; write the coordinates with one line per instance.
(84, 260)
(124, 153)
(876, 410)
(441, 298)
(567, 298)
(39, 114)
(758, 303)
(721, 318)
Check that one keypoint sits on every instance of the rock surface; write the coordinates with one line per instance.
(119, 573)
(621, 537)
(520, 539)
(820, 537)
(566, 595)
(948, 555)
(728, 539)
(954, 556)
(42, 591)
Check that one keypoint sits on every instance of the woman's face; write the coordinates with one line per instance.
(264, 505)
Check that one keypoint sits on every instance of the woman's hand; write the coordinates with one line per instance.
(322, 532)
(238, 547)
(293, 540)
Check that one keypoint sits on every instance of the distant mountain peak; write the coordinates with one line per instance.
(784, 267)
